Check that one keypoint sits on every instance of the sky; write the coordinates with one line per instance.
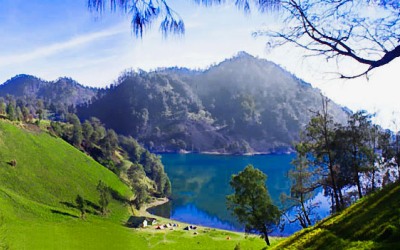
(56, 38)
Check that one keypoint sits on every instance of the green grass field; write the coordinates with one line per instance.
(37, 208)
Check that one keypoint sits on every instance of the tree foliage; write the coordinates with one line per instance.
(144, 13)
(81, 205)
(356, 155)
(141, 195)
(304, 181)
(251, 202)
(105, 196)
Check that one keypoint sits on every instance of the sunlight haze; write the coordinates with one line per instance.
(52, 39)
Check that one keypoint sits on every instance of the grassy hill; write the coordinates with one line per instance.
(372, 223)
(37, 202)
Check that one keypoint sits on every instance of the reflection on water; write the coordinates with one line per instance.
(200, 184)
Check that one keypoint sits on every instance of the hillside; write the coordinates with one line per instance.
(63, 91)
(38, 209)
(242, 105)
(372, 223)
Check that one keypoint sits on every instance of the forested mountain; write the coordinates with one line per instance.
(241, 105)
(64, 90)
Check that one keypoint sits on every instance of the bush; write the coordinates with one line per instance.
(237, 247)
(13, 163)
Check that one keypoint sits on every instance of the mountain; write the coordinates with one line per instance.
(242, 105)
(371, 223)
(61, 91)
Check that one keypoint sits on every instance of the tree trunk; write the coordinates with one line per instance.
(265, 234)
(358, 183)
(341, 197)
(304, 210)
(373, 178)
(334, 187)
(266, 239)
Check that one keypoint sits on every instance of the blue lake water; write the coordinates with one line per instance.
(200, 184)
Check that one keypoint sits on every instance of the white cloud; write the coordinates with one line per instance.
(54, 48)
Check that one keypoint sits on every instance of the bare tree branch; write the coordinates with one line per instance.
(367, 31)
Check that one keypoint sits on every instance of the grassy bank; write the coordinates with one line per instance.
(372, 223)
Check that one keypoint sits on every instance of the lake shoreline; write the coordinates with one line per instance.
(200, 184)
(183, 152)
(157, 202)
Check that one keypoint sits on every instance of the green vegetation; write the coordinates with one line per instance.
(373, 222)
(40, 210)
(251, 202)
(337, 157)
(237, 107)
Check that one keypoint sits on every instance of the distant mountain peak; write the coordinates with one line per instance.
(64, 90)
(243, 54)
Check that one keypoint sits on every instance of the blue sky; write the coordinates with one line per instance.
(54, 38)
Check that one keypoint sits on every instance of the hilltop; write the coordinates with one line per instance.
(241, 105)
(63, 91)
(371, 223)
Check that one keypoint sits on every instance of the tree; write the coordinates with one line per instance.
(144, 12)
(76, 137)
(141, 195)
(251, 202)
(87, 131)
(355, 151)
(2, 106)
(11, 106)
(18, 114)
(109, 143)
(334, 29)
(343, 29)
(105, 196)
(25, 113)
(39, 110)
(304, 181)
(99, 130)
(320, 134)
(81, 205)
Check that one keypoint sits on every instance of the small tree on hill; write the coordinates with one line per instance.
(11, 111)
(304, 180)
(141, 195)
(105, 196)
(251, 202)
(81, 205)
(3, 106)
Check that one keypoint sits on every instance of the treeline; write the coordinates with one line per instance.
(238, 106)
(123, 155)
(348, 161)
(30, 110)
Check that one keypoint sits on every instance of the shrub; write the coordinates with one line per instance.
(13, 163)
(237, 247)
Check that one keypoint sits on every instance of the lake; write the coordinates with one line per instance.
(200, 184)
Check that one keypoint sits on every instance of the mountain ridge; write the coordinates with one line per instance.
(241, 105)
(64, 89)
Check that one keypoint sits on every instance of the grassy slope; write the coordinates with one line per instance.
(36, 199)
(371, 223)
